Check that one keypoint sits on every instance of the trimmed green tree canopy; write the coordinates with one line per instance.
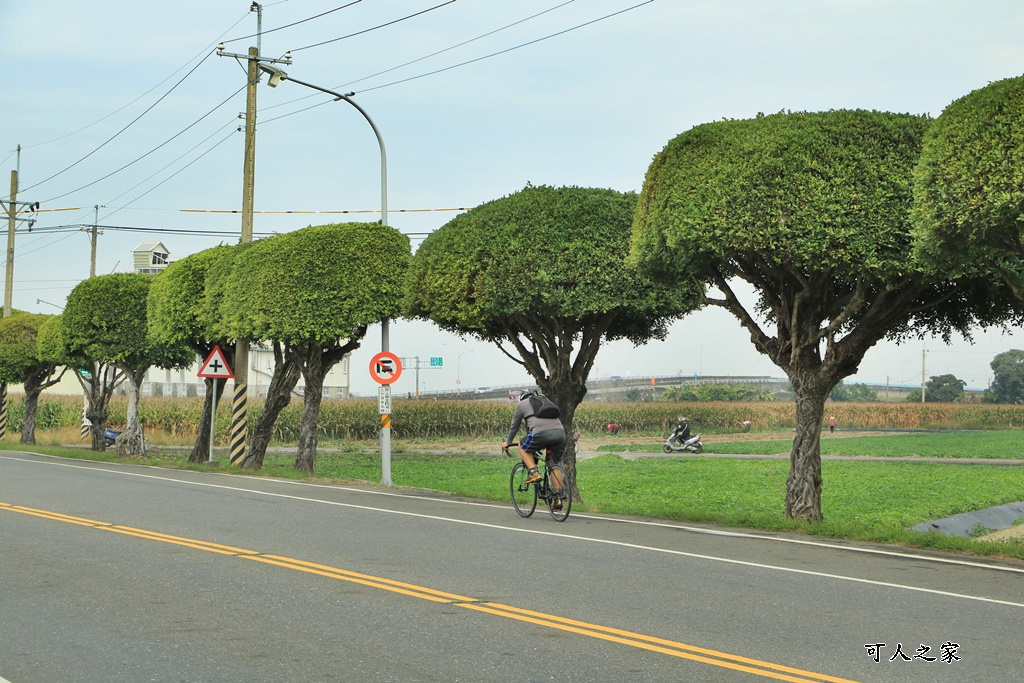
(177, 304)
(316, 285)
(105, 321)
(19, 349)
(542, 274)
(49, 341)
(823, 192)
(969, 184)
(316, 291)
(811, 210)
(542, 254)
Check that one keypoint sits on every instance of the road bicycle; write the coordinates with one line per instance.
(524, 496)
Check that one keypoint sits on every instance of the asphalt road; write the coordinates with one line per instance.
(129, 573)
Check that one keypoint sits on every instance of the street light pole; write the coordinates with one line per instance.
(276, 76)
(458, 371)
(700, 362)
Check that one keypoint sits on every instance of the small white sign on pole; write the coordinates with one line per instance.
(385, 399)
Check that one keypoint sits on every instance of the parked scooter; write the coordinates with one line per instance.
(680, 440)
(110, 436)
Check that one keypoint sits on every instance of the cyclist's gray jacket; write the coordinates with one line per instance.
(524, 411)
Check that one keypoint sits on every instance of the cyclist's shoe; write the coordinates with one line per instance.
(556, 505)
(533, 476)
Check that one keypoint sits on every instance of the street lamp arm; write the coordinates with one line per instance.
(380, 140)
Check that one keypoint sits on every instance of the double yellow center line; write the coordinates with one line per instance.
(637, 640)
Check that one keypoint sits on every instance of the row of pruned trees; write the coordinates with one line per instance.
(851, 226)
(311, 294)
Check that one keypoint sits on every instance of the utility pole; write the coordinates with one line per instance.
(12, 212)
(922, 374)
(92, 259)
(239, 410)
(12, 221)
(239, 416)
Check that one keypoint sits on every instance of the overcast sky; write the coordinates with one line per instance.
(121, 104)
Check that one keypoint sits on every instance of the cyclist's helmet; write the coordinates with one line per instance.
(527, 394)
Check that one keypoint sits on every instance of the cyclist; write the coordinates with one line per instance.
(542, 433)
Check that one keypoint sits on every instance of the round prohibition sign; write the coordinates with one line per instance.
(385, 368)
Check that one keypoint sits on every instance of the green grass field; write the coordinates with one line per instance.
(867, 501)
(988, 444)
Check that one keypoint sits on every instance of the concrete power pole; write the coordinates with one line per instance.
(239, 423)
(92, 259)
(12, 212)
(239, 411)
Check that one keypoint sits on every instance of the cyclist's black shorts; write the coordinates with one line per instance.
(553, 439)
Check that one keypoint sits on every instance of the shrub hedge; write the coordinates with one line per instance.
(358, 419)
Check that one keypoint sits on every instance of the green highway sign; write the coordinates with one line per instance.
(436, 361)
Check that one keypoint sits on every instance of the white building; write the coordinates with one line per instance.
(150, 257)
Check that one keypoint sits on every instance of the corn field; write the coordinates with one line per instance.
(358, 419)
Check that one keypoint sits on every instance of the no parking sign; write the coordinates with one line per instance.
(385, 368)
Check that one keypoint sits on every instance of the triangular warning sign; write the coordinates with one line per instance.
(216, 366)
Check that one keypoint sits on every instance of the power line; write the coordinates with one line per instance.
(133, 122)
(107, 203)
(501, 52)
(454, 66)
(414, 61)
(120, 109)
(162, 144)
(294, 23)
(374, 28)
(465, 42)
(321, 211)
(169, 231)
(45, 246)
(285, 211)
(168, 178)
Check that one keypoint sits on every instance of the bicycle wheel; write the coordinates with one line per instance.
(559, 499)
(524, 496)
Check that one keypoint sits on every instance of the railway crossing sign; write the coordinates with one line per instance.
(216, 366)
(385, 368)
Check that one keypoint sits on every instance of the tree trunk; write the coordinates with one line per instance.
(313, 372)
(97, 415)
(568, 399)
(35, 380)
(279, 395)
(131, 441)
(99, 389)
(28, 431)
(803, 485)
(201, 449)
